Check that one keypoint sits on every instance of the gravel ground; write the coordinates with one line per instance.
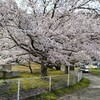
(90, 93)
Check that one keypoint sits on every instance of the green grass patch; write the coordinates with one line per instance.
(37, 73)
(54, 95)
(24, 72)
(95, 71)
(28, 80)
(34, 66)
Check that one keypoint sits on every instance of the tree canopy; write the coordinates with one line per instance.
(64, 31)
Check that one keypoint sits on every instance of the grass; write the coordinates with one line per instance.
(54, 95)
(37, 73)
(23, 68)
(24, 75)
(95, 71)
(33, 82)
(24, 72)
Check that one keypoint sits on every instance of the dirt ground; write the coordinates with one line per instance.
(90, 93)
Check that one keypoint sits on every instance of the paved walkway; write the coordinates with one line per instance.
(90, 93)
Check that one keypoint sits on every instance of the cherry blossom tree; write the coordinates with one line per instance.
(50, 32)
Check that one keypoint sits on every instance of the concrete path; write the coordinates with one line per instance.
(90, 93)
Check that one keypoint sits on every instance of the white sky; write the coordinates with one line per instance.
(92, 4)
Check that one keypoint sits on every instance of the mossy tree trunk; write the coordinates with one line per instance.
(44, 69)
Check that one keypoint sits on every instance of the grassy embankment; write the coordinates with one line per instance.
(95, 71)
(24, 72)
(54, 95)
(33, 82)
(28, 80)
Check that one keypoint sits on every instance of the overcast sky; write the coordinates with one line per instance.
(95, 4)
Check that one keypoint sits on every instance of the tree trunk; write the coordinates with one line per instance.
(4, 75)
(43, 70)
(31, 71)
(58, 68)
(67, 69)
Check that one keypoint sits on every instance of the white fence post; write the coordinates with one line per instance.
(18, 93)
(68, 79)
(50, 84)
(74, 80)
(81, 75)
(78, 76)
